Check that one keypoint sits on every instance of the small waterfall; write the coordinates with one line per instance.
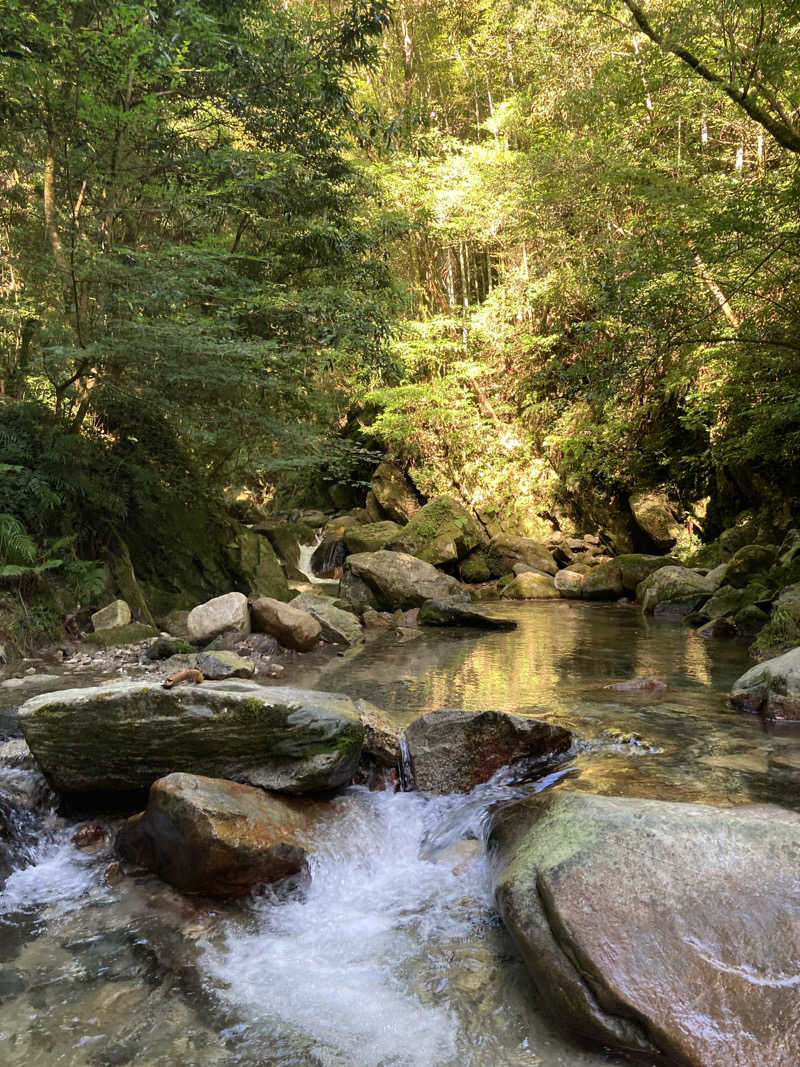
(304, 564)
(405, 767)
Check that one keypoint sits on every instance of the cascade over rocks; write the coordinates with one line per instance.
(385, 581)
(125, 735)
(227, 612)
(208, 835)
(451, 751)
(657, 928)
(293, 627)
(771, 688)
(394, 494)
(442, 531)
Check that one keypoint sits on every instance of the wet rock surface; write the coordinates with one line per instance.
(208, 835)
(125, 735)
(771, 689)
(451, 751)
(453, 612)
(658, 928)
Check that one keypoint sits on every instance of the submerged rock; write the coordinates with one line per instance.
(226, 612)
(124, 736)
(657, 928)
(207, 835)
(451, 611)
(451, 751)
(387, 580)
(292, 626)
(771, 689)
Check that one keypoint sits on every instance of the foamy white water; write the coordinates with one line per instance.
(340, 966)
(59, 876)
(304, 562)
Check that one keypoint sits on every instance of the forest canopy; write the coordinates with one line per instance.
(543, 253)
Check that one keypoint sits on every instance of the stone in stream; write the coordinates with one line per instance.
(450, 611)
(678, 584)
(451, 751)
(226, 612)
(771, 689)
(338, 626)
(208, 835)
(394, 493)
(512, 549)
(657, 928)
(372, 537)
(442, 531)
(125, 735)
(569, 584)
(385, 581)
(293, 627)
(530, 586)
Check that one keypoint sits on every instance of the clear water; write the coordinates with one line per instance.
(393, 955)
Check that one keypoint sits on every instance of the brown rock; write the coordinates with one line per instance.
(293, 627)
(92, 837)
(208, 835)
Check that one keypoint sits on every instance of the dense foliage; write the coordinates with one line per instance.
(544, 254)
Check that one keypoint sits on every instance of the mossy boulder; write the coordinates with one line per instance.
(122, 635)
(673, 584)
(474, 569)
(656, 928)
(442, 531)
(603, 582)
(657, 516)
(781, 631)
(748, 561)
(530, 586)
(372, 537)
(771, 689)
(636, 566)
(393, 493)
(509, 549)
(126, 735)
(254, 559)
(750, 620)
(726, 601)
(452, 611)
(385, 581)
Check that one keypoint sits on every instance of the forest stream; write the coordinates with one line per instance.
(393, 954)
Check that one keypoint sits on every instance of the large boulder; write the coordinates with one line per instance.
(293, 627)
(208, 835)
(125, 735)
(372, 537)
(512, 550)
(749, 561)
(253, 557)
(115, 614)
(657, 517)
(569, 584)
(451, 751)
(771, 689)
(531, 586)
(227, 612)
(394, 494)
(635, 567)
(443, 531)
(657, 928)
(603, 582)
(338, 626)
(674, 584)
(286, 538)
(385, 581)
(452, 611)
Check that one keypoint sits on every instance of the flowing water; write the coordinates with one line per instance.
(391, 955)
